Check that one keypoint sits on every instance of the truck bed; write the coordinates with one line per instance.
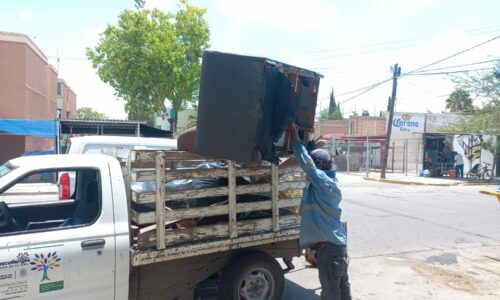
(256, 204)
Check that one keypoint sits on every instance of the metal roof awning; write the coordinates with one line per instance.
(111, 127)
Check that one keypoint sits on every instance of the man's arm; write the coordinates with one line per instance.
(316, 176)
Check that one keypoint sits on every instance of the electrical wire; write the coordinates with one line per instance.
(363, 88)
(362, 52)
(453, 55)
(365, 91)
(362, 46)
(416, 72)
(464, 65)
(58, 42)
(68, 57)
(450, 72)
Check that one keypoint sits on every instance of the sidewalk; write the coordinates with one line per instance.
(413, 179)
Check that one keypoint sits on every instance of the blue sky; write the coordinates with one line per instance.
(352, 43)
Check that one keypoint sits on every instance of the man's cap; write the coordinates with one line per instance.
(321, 155)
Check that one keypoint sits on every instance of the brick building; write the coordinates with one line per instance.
(359, 126)
(29, 90)
(355, 131)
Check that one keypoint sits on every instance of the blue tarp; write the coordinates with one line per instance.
(38, 128)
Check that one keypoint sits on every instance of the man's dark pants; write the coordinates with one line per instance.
(332, 264)
(459, 171)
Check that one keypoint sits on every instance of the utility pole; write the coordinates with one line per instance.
(392, 101)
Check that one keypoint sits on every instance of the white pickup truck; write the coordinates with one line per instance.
(194, 234)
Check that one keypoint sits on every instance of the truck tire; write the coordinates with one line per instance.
(253, 276)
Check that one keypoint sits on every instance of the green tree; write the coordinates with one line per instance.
(334, 112)
(141, 115)
(484, 86)
(151, 57)
(459, 101)
(323, 114)
(87, 113)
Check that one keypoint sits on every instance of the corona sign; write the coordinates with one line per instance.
(407, 123)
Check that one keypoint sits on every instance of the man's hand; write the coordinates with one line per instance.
(294, 133)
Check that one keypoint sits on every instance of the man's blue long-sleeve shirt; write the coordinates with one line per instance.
(319, 209)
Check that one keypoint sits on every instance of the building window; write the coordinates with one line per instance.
(59, 89)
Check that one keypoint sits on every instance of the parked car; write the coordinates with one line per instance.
(93, 144)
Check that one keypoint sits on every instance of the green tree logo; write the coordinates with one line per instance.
(45, 262)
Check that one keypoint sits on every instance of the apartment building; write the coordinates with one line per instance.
(29, 90)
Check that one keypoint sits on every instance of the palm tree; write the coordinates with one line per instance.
(459, 101)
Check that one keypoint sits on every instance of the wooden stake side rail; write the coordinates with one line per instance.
(150, 197)
(170, 165)
(141, 175)
(217, 231)
(210, 211)
(144, 257)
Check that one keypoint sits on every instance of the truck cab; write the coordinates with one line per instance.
(72, 249)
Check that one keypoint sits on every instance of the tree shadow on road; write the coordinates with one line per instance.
(294, 291)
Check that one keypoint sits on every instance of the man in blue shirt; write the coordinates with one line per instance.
(320, 227)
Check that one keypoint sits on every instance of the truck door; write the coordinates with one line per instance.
(57, 249)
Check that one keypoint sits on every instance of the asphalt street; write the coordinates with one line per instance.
(414, 242)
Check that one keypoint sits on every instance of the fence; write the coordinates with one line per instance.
(365, 154)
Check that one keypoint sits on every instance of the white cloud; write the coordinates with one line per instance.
(25, 15)
(90, 36)
(457, 40)
(77, 71)
(283, 14)
(165, 5)
(407, 4)
(90, 90)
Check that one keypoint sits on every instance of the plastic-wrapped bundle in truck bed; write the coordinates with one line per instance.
(246, 103)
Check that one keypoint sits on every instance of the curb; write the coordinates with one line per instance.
(427, 184)
(407, 182)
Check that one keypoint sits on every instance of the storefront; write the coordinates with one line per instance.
(440, 148)
(438, 154)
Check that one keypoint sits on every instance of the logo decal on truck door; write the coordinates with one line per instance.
(45, 262)
(29, 272)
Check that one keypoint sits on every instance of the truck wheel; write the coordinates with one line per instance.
(252, 277)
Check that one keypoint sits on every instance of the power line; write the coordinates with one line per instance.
(464, 65)
(363, 46)
(58, 42)
(450, 72)
(453, 55)
(363, 88)
(371, 87)
(475, 31)
(69, 57)
(365, 91)
(405, 79)
(363, 52)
